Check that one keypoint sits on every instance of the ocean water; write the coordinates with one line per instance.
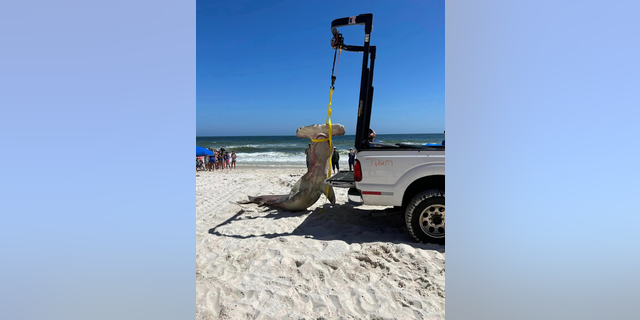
(273, 151)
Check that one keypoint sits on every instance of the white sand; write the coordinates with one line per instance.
(255, 262)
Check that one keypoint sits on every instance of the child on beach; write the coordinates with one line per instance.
(199, 163)
(226, 160)
(207, 161)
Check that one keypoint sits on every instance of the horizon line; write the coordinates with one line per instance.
(295, 135)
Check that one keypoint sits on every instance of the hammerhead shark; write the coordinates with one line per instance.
(311, 185)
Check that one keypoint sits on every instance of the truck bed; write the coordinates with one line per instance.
(400, 146)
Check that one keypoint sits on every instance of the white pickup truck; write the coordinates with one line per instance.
(407, 177)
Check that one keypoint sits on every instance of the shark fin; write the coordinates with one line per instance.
(330, 195)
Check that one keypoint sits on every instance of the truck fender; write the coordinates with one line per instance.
(417, 172)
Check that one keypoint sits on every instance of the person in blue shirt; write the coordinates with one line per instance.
(352, 159)
(372, 137)
(212, 162)
(226, 160)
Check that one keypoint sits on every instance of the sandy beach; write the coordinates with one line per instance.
(256, 262)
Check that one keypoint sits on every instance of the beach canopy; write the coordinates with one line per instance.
(200, 151)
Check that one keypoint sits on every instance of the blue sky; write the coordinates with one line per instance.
(264, 67)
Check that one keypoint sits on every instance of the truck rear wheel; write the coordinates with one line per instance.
(425, 216)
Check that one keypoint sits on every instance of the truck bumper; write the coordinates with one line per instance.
(354, 196)
(379, 195)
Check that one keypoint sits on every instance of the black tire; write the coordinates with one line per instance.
(425, 217)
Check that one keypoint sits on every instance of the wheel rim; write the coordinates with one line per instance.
(432, 220)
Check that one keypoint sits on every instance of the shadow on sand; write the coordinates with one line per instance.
(346, 222)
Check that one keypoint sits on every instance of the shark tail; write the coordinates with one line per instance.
(269, 200)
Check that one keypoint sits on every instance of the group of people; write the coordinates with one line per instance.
(335, 158)
(220, 159)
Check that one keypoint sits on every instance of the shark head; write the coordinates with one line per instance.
(320, 151)
(311, 131)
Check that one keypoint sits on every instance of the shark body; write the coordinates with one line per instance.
(311, 185)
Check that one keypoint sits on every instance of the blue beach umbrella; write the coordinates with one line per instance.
(200, 151)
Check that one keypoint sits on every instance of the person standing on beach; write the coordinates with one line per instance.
(335, 160)
(352, 159)
(226, 160)
(200, 163)
(212, 159)
(233, 159)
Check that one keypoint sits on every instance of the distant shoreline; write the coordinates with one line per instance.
(293, 135)
(248, 166)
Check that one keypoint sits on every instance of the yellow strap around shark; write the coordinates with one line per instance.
(330, 127)
(330, 143)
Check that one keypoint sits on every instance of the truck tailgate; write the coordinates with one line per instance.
(342, 179)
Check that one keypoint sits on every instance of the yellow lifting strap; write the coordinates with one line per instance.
(330, 128)
(330, 144)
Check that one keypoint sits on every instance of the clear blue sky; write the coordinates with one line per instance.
(264, 67)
